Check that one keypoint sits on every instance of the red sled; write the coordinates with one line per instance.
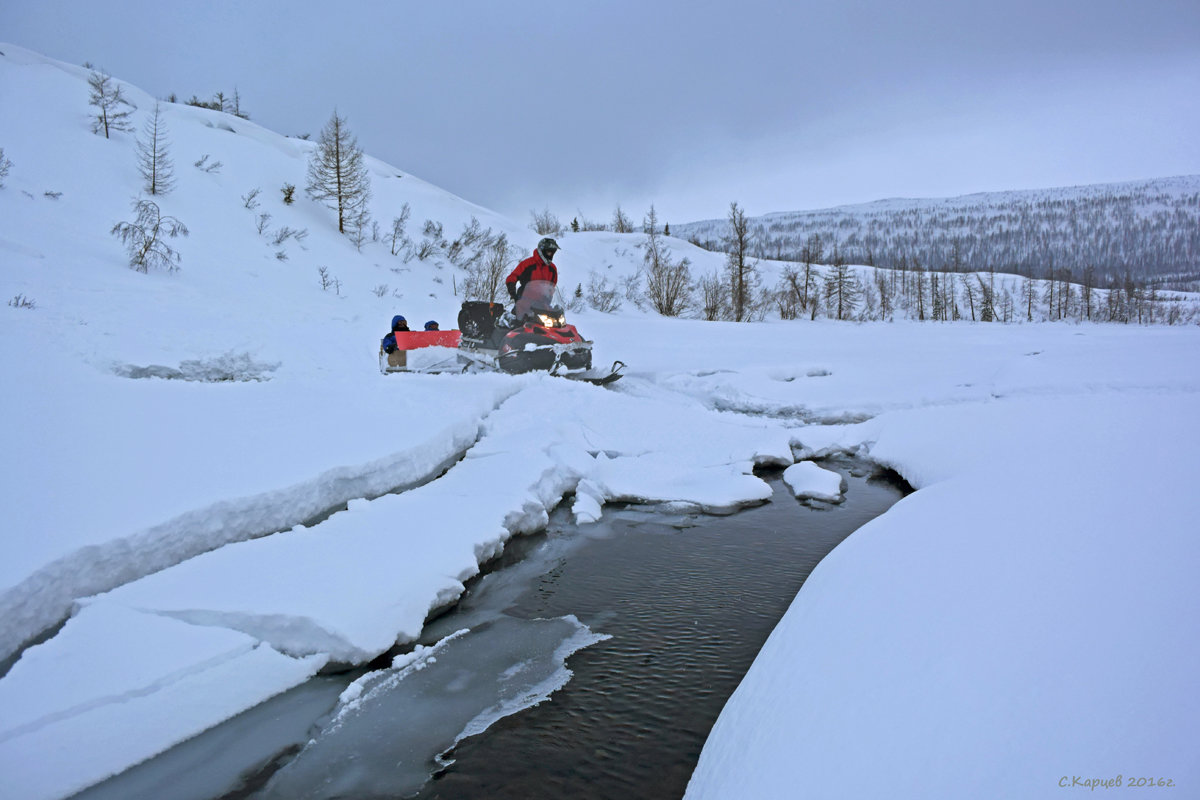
(413, 353)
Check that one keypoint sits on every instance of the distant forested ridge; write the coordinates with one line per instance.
(1149, 230)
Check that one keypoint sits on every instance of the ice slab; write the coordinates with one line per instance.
(394, 727)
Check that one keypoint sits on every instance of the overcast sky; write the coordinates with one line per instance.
(578, 105)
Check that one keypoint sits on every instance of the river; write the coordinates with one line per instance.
(589, 661)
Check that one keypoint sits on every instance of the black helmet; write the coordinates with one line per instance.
(548, 247)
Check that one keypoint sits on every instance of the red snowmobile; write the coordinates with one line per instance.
(535, 336)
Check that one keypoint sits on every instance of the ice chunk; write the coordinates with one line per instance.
(589, 499)
(810, 482)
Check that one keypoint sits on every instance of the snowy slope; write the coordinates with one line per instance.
(312, 511)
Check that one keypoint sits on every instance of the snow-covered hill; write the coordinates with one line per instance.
(1150, 229)
(68, 187)
(175, 551)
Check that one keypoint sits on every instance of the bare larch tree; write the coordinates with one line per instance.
(621, 223)
(668, 282)
(741, 270)
(337, 176)
(154, 162)
(144, 238)
(112, 109)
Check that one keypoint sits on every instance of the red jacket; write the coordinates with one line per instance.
(534, 268)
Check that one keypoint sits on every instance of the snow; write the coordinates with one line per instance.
(147, 683)
(207, 478)
(811, 482)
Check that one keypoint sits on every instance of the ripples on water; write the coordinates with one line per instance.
(688, 605)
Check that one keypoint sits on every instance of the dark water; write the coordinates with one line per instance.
(687, 601)
(687, 608)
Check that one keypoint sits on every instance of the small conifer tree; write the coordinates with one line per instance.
(112, 112)
(154, 162)
(144, 238)
(338, 177)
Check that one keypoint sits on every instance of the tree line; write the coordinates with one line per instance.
(819, 281)
(822, 284)
(1149, 230)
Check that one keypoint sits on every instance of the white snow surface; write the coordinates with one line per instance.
(1028, 614)
(811, 482)
(96, 697)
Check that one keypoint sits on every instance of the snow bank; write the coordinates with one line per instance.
(1026, 616)
(80, 549)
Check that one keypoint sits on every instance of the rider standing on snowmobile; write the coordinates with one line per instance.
(538, 267)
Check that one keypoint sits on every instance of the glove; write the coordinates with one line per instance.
(512, 291)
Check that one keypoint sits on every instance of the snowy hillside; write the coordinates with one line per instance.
(211, 493)
(1150, 229)
(240, 307)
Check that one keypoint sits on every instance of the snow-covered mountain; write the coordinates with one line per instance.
(1147, 228)
(210, 493)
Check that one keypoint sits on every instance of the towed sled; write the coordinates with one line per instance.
(422, 351)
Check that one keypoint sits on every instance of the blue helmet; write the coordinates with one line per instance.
(398, 320)
(431, 325)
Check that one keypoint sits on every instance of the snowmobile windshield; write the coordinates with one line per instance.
(537, 296)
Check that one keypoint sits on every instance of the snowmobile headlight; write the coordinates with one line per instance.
(550, 320)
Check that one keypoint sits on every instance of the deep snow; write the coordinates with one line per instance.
(1028, 614)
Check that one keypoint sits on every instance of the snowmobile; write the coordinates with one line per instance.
(535, 336)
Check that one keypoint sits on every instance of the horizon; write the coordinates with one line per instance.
(914, 199)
